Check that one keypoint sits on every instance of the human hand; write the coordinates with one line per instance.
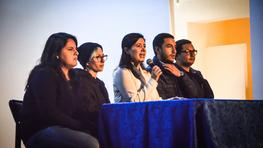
(174, 70)
(156, 72)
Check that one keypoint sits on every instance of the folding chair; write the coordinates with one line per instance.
(15, 107)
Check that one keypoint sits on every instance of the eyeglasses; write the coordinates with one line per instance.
(190, 52)
(100, 58)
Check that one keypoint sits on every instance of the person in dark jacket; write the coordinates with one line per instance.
(49, 109)
(185, 58)
(165, 51)
(92, 90)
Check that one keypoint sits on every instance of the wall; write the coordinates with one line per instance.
(256, 21)
(218, 33)
(25, 26)
(206, 10)
(187, 12)
(226, 67)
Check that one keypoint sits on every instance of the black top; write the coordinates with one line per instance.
(92, 93)
(168, 85)
(198, 88)
(48, 101)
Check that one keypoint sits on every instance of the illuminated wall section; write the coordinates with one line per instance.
(225, 32)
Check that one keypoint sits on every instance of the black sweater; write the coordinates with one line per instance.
(184, 86)
(198, 86)
(48, 101)
(51, 100)
(92, 93)
(168, 84)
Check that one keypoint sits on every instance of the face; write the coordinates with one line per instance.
(168, 51)
(187, 56)
(97, 61)
(138, 51)
(69, 54)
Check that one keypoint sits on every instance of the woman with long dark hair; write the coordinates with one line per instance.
(49, 116)
(131, 82)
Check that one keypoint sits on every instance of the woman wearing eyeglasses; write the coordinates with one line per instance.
(131, 82)
(91, 90)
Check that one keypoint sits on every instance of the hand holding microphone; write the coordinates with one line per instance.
(150, 62)
(156, 71)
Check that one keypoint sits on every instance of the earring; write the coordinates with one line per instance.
(126, 50)
(57, 57)
(87, 67)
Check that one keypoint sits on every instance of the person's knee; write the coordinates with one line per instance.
(93, 142)
(62, 137)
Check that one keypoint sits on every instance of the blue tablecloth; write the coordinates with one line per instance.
(182, 123)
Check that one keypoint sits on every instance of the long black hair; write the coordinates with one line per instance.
(53, 47)
(126, 61)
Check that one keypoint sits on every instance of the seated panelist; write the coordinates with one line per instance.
(91, 90)
(50, 104)
(185, 58)
(131, 81)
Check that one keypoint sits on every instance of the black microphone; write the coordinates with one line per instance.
(150, 62)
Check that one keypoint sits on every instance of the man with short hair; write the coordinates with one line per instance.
(165, 51)
(185, 58)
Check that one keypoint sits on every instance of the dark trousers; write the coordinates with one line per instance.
(60, 137)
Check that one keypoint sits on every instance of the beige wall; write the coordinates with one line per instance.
(211, 23)
(221, 33)
(187, 11)
(226, 70)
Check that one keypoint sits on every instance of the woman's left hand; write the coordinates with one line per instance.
(156, 72)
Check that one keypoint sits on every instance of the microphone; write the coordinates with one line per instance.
(150, 62)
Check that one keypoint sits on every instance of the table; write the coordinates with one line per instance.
(187, 123)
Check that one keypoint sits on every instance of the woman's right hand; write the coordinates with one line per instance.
(156, 72)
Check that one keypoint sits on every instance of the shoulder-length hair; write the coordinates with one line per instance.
(53, 47)
(127, 42)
